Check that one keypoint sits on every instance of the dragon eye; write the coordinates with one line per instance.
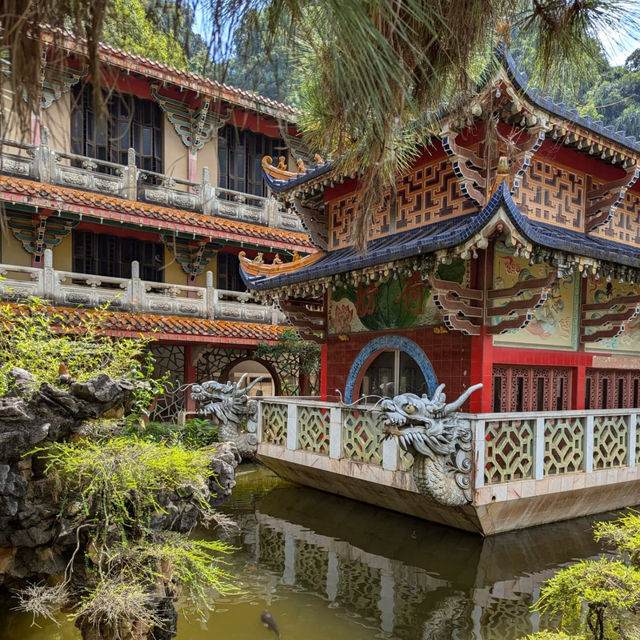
(410, 409)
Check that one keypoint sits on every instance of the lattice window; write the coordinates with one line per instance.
(563, 445)
(361, 435)
(169, 357)
(609, 441)
(508, 450)
(517, 389)
(313, 429)
(612, 389)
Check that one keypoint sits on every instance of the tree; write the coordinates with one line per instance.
(128, 26)
(598, 599)
(371, 69)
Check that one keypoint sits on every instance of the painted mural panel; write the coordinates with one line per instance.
(599, 291)
(554, 324)
(394, 301)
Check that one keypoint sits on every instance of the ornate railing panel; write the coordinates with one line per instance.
(508, 450)
(362, 436)
(563, 445)
(67, 288)
(313, 429)
(274, 423)
(610, 437)
(129, 181)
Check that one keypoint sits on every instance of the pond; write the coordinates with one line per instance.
(327, 567)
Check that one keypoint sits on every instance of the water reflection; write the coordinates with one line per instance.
(333, 568)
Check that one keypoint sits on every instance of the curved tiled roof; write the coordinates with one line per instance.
(141, 214)
(520, 81)
(448, 234)
(174, 328)
(167, 73)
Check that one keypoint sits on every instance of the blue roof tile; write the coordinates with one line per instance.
(447, 234)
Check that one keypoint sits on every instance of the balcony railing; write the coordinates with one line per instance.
(132, 183)
(508, 447)
(65, 288)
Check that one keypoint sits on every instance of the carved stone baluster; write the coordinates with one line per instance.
(47, 285)
(138, 293)
(131, 176)
(211, 296)
(206, 193)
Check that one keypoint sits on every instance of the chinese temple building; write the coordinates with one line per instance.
(523, 276)
(146, 210)
(509, 255)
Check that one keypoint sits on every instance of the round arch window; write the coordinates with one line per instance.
(391, 373)
(253, 370)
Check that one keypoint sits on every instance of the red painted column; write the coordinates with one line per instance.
(482, 371)
(324, 370)
(578, 387)
(190, 376)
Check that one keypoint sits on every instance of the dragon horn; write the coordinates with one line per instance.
(438, 392)
(454, 406)
(254, 383)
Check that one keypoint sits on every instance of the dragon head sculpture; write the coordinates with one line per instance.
(439, 440)
(229, 405)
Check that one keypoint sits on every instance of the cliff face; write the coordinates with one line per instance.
(36, 539)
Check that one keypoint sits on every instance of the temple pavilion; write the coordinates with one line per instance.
(509, 255)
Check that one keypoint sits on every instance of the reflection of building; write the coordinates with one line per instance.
(146, 209)
(406, 578)
(509, 256)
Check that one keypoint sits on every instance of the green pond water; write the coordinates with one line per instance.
(330, 568)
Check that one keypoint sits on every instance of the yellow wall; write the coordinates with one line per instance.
(175, 153)
(58, 119)
(63, 254)
(12, 250)
(208, 157)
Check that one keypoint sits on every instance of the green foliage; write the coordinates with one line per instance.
(119, 481)
(289, 346)
(194, 566)
(195, 433)
(601, 594)
(599, 599)
(39, 339)
(128, 26)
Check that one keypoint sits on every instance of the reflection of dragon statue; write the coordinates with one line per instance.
(229, 405)
(439, 440)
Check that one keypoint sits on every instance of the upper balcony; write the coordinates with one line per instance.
(68, 289)
(129, 182)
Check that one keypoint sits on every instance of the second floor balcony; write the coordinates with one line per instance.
(68, 289)
(43, 164)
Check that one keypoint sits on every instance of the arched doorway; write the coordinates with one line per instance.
(254, 369)
(390, 365)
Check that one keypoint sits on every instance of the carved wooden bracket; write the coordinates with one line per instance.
(315, 222)
(194, 126)
(307, 316)
(38, 233)
(605, 198)
(467, 309)
(608, 325)
(192, 256)
(517, 314)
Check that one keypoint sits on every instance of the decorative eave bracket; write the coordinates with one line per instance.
(194, 126)
(604, 199)
(608, 325)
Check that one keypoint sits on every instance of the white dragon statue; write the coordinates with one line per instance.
(229, 405)
(439, 440)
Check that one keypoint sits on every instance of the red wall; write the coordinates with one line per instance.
(449, 354)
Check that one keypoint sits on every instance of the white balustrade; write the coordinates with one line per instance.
(507, 447)
(129, 181)
(67, 288)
